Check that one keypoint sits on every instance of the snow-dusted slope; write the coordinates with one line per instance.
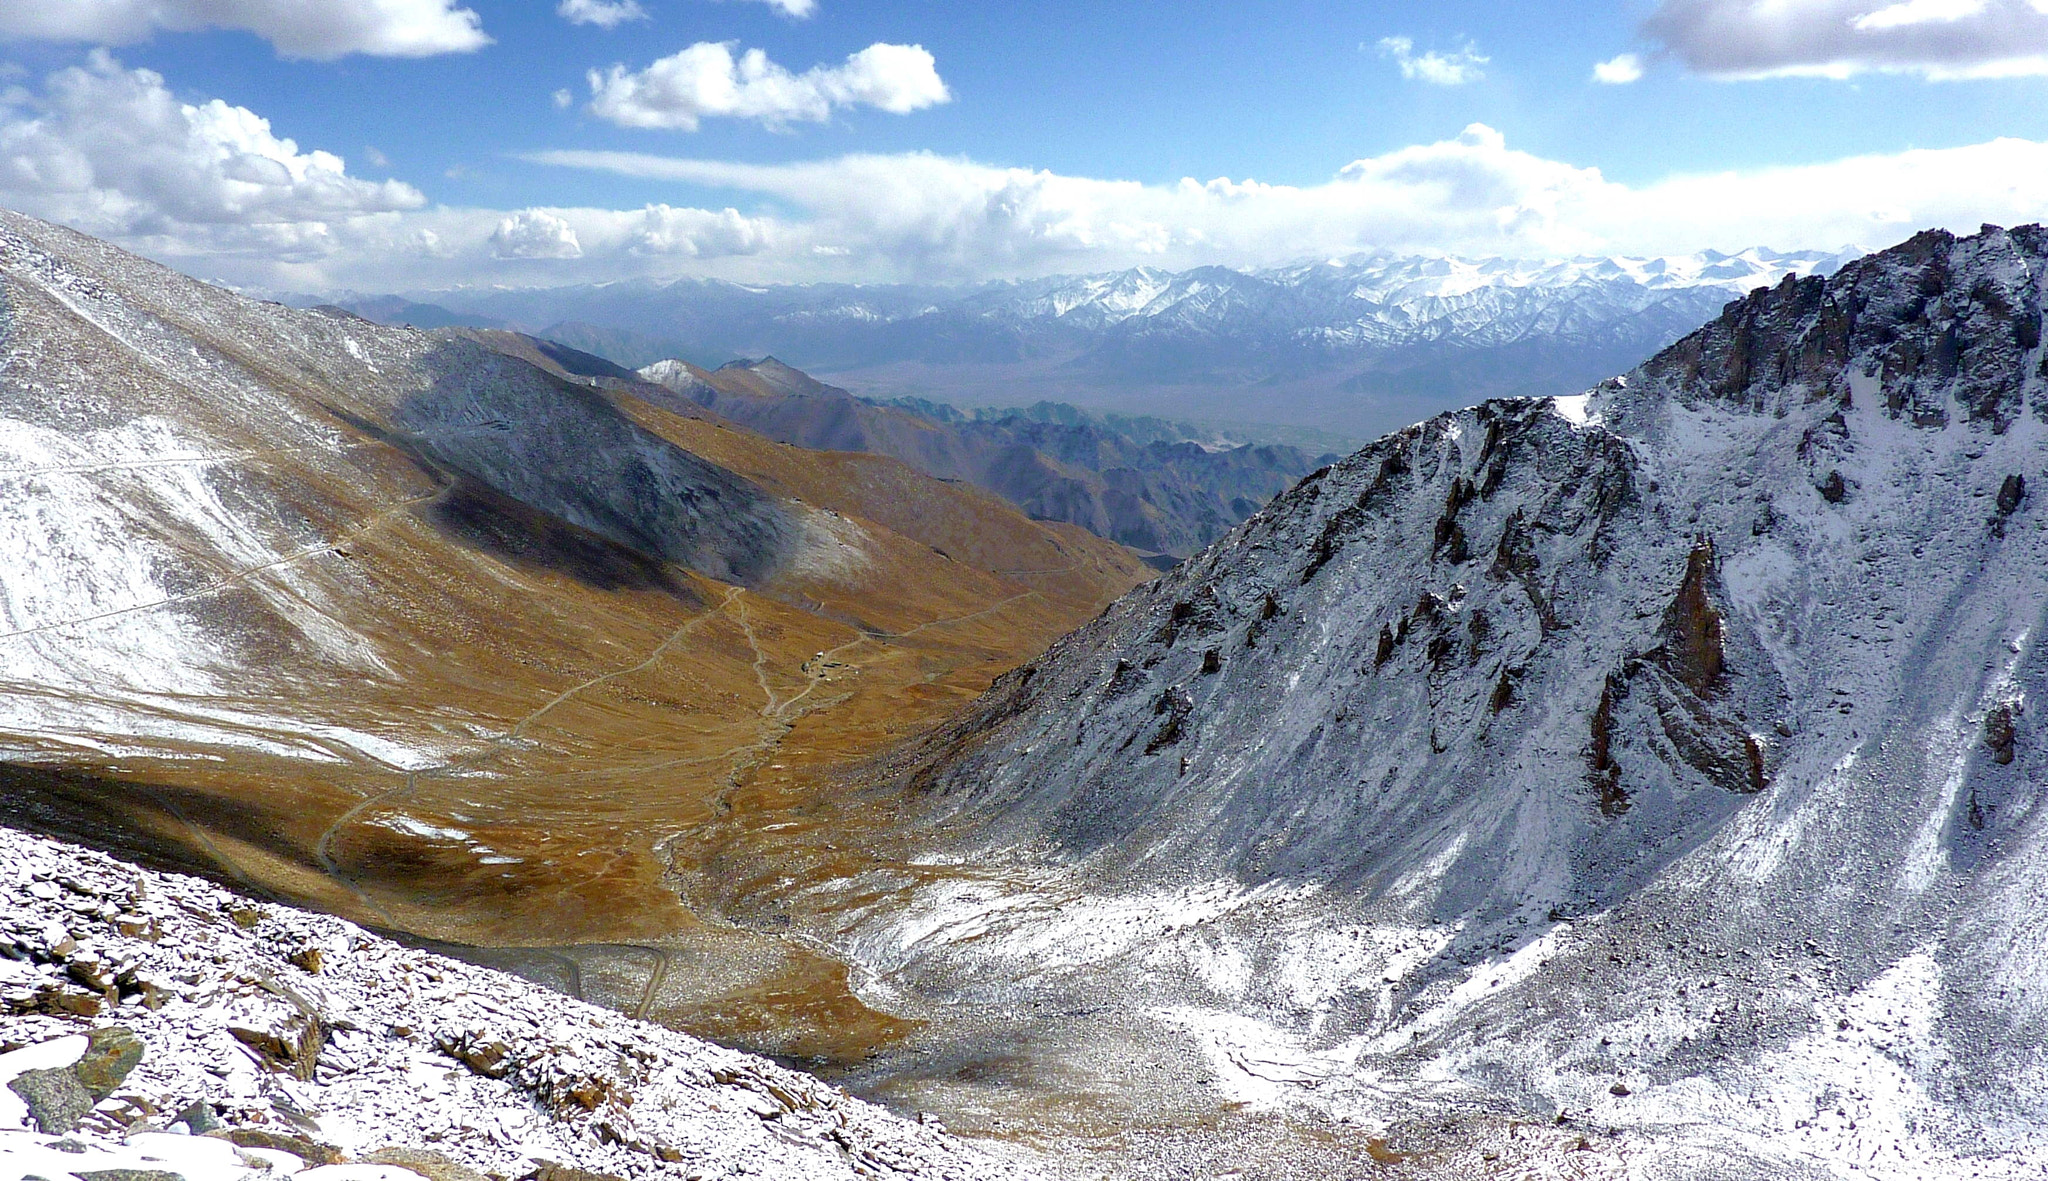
(302, 1045)
(1666, 758)
(188, 471)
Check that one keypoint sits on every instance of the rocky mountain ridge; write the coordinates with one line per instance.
(1663, 757)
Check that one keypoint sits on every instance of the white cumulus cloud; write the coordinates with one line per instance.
(920, 216)
(707, 80)
(535, 233)
(112, 151)
(1456, 68)
(320, 29)
(799, 9)
(1619, 70)
(214, 189)
(605, 14)
(698, 233)
(1937, 39)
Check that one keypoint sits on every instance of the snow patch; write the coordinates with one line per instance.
(1576, 409)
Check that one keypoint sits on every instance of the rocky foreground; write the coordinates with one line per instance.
(155, 1027)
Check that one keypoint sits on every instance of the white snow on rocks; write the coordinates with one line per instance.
(328, 1054)
(1669, 754)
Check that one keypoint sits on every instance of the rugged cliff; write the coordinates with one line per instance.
(1667, 756)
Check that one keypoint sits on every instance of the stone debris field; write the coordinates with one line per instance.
(155, 1027)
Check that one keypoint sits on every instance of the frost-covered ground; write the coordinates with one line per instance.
(1666, 759)
(309, 1047)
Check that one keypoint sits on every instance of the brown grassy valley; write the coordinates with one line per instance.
(412, 630)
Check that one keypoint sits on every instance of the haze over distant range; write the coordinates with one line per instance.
(1341, 351)
(381, 145)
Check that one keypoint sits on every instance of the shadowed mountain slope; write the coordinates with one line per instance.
(418, 632)
(1156, 496)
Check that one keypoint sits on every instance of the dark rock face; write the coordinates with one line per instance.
(1693, 650)
(1943, 325)
(1687, 681)
(2010, 494)
(2000, 733)
(56, 1100)
(565, 450)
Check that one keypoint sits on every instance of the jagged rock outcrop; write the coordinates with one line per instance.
(1409, 634)
(1659, 755)
(1941, 327)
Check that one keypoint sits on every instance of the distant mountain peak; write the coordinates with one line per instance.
(1358, 345)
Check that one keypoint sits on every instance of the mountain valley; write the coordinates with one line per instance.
(1165, 498)
(416, 632)
(1636, 782)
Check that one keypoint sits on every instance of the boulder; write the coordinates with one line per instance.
(56, 1100)
(310, 1151)
(198, 1118)
(110, 1055)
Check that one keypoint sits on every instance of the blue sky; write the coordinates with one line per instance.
(918, 140)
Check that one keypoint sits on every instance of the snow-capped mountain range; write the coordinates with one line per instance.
(1382, 300)
(1359, 345)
